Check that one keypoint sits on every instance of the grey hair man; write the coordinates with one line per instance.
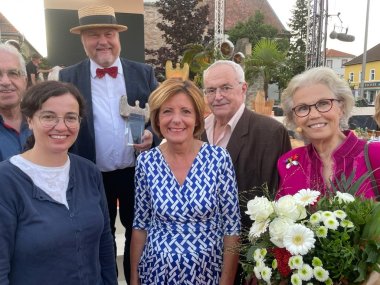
(13, 128)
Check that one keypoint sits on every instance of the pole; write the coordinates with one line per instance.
(326, 14)
(364, 53)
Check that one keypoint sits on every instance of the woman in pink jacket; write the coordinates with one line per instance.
(317, 105)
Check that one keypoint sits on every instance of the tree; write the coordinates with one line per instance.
(298, 26)
(254, 29)
(266, 61)
(183, 23)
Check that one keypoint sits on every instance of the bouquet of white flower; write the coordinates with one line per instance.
(305, 239)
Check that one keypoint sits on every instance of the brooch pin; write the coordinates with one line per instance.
(291, 161)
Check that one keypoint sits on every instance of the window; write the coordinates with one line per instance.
(372, 74)
(344, 62)
(351, 76)
(329, 63)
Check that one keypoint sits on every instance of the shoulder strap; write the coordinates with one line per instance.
(373, 165)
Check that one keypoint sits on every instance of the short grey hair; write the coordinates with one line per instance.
(318, 75)
(12, 50)
(239, 72)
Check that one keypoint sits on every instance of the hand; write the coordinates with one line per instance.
(147, 140)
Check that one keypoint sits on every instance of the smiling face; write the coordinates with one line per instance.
(59, 138)
(317, 126)
(177, 119)
(224, 106)
(101, 45)
(11, 87)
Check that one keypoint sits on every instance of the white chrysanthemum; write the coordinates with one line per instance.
(295, 279)
(340, 214)
(295, 262)
(288, 207)
(347, 224)
(257, 272)
(344, 197)
(316, 262)
(327, 215)
(257, 255)
(260, 264)
(307, 197)
(259, 209)
(257, 229)
(331, 223)
(305, 272)
(277, 229)
(329, 282)
(315, 218)
(299, 239)
(321, 232)
(266, 274)
(274, 263)
(320, 274)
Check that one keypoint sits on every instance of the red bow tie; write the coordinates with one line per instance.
(112, 71)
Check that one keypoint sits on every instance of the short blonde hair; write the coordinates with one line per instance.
(377, 109)
(168, 89)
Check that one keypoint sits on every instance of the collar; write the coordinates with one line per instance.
(94, 66)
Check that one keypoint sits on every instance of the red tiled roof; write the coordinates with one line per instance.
(240, 11)
(373, 54)
(337, 53)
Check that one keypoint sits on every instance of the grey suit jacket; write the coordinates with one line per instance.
(255, 146)
(139, 81)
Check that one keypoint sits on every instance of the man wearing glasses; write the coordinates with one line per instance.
(13, 128)
(254, 141)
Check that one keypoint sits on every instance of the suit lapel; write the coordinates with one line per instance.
(239, 136)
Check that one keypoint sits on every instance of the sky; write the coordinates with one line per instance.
(353, 15)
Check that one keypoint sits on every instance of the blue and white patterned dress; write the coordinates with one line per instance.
(185, 224)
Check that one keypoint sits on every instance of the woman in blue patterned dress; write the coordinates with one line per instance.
(187, 220)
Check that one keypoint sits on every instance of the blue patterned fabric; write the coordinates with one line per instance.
(186, 223)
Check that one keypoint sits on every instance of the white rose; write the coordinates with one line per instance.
(277, 229)
(287, 206)
(259, 209)
(344, 197)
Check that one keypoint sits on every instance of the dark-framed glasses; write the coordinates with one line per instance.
(50, 120)
(322, 106)
(224, 90)
(12, 73)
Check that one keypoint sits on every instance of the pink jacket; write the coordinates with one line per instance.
(301, 167)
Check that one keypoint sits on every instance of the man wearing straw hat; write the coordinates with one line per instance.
(103, 78)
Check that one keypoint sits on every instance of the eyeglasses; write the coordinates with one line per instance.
(12, 73)
(322, 106)
(50, 120)
(223, 90)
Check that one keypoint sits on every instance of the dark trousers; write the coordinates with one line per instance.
(119, 186)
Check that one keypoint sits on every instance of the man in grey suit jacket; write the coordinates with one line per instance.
(254, 141)
(102, 79)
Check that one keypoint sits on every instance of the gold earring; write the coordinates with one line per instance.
(299, 130)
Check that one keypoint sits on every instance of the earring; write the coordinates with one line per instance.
(298, 130)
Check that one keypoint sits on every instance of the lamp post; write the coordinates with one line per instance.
(365, 52)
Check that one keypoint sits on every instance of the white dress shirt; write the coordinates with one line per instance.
(112, 151)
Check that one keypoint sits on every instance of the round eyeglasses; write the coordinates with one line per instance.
(322, 106)
(223, 90)
(50, 120)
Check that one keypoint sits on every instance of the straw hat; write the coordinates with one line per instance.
(91, 17)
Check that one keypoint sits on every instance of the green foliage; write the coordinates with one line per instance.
(266, 61)
(298, 26)
(183, 23)
(254, 29)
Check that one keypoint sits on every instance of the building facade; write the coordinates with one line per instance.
(336, 60)
(353, 74)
